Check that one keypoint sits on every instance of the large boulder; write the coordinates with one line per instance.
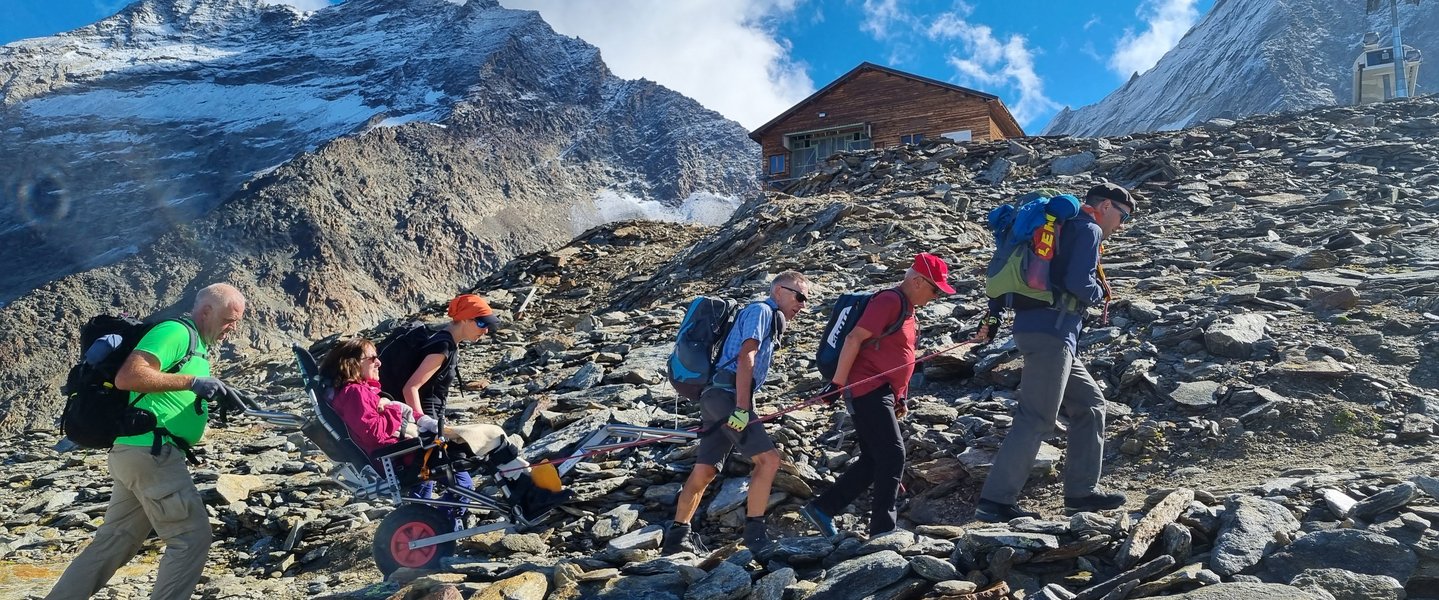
(1348, 585)
(1349, 549)
(1248, 591)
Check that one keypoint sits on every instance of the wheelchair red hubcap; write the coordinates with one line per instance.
(400, 544)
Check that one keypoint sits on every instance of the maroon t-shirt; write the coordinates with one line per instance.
(880, 354)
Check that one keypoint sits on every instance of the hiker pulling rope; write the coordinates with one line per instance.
(764, 419)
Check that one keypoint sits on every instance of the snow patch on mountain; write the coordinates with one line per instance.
(609, 206)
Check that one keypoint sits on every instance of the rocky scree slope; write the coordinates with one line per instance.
(371, 225)
(1271, 414)
(1250, 57)
(117, 131)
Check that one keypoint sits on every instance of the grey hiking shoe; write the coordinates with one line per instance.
(756, 534)
(680, 538)
(994, 512)
(1097, 500)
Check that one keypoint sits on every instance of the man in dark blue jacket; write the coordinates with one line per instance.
(1053, 378)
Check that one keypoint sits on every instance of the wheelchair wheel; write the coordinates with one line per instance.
(406, 524)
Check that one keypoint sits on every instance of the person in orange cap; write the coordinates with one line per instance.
(427, 387)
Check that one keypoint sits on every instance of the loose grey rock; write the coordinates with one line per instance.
(1248, 532)
(1348, 585)
(1235, 336)
(860, 577)
(1385, 500)
(727, 581)
(934, 569)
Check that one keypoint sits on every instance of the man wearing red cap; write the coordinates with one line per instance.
(1053, 379)
(878, 401)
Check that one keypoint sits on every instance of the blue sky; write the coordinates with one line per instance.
(752, 59)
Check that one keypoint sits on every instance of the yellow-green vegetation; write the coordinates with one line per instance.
(1358, 423)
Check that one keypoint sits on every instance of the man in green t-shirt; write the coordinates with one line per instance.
(153, 488)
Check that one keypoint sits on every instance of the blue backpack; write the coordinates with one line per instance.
(842, 319)
(1026, 236)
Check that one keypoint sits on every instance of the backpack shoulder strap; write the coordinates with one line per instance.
(194, 345)
(904, 312)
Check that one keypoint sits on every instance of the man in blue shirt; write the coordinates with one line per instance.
(727, 415)
(1052, 377)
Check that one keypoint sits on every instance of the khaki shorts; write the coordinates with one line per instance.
(716, 406)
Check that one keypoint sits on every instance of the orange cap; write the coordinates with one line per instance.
(471, 306)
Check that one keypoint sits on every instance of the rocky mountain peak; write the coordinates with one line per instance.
(1251, 57)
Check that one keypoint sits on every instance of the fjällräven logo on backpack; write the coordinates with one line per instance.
(1026, 238)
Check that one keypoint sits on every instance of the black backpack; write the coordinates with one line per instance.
(96, 412)
(400, 355)
(842, 319)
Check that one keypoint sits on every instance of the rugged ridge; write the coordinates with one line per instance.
(373, 223)
(154, 116)
(1251, 57)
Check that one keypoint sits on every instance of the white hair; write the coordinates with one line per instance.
(218, 294)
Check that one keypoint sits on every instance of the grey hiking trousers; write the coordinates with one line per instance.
(1052, 379)
(150, 492)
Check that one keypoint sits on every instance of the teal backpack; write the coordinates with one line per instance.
(1026, 236)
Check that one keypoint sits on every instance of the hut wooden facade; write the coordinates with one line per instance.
(877, 106)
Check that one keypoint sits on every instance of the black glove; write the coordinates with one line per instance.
(830, 392)
(988, 328)
(216, 391)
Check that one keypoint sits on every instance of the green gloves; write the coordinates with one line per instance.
(739, 419)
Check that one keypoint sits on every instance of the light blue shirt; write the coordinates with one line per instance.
(754, 322)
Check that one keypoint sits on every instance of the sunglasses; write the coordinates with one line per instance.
(1123, 214)
(932, 287)
(370, 358)
(798, 295)
(481, 324)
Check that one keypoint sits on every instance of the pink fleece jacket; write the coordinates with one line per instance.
(358, 404)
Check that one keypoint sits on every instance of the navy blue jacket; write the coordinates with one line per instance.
(1074, 272)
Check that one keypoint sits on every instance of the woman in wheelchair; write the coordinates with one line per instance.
(375, 421)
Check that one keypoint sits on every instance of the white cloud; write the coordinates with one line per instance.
(725, 54)
(1166, 22)
(986, 62)
(305, 5)
(881, 17)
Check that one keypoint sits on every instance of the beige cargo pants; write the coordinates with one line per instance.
(150, 492)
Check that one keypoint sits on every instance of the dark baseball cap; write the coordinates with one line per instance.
(1109, 191)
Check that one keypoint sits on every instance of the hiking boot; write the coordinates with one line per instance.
(532, 501)
(679, 538)
(823, 522)
(756, 534)
(1095, 501)
(994, 512)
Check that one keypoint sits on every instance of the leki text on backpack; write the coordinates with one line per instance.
(1026, 235)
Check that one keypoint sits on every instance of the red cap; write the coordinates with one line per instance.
(932, 268)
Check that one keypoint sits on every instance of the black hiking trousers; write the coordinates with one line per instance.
(880, 464)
